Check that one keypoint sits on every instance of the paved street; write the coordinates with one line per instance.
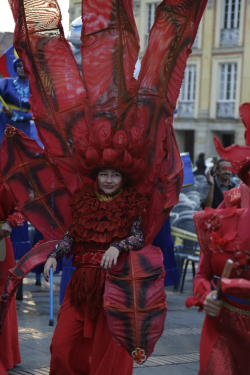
(176, 353)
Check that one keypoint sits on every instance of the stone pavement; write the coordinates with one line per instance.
(176, 353)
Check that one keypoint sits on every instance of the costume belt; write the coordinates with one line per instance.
(90, 258)
(16, 108)
(237, 305)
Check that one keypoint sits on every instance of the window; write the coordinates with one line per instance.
(230, 23)
(231, 14)
(227, 90)
(150, 20)
(187, 94)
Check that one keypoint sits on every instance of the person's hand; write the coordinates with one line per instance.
(51, 262)
(109, 257)
(5, 231)
(209, 178)
(212, 305)
(8, 112)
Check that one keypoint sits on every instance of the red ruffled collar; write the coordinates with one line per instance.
(104, 222)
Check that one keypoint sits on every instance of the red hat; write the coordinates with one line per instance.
(105, 147)
(237, 155)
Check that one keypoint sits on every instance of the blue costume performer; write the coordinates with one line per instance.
(164, 240)
(15, 92)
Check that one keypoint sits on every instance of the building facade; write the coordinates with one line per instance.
(217, 76)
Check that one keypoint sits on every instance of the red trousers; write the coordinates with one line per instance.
(81, 346)
(9, 345)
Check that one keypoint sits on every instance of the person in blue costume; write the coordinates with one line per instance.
(164, 240)
(16, 93)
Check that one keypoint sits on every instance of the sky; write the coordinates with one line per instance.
(7, 23)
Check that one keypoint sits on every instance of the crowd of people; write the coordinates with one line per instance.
(113, 200)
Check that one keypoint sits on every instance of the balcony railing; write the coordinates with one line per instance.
(226, 109)
(186, 109)
(229, 37)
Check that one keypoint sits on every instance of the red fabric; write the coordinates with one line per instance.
(41, 194)
(7, 202)
(216, 231)
(2, 370)
(136, 111)
(209, 336)
(135, 305)
(226, 338)
(90, 229)
(25, 265)
(142, 109)
(238, 155)
(87, 284)
(95, 226)
(104, 148)
(85, 347)
(232, 197)
(238, 196)
(222, 205)
(244, 189)
(9, 346)
(230, 353)
(236, 287)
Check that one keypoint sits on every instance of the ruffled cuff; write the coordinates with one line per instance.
(201, 290)
(16, 220)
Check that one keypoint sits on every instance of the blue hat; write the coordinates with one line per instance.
(15, 63)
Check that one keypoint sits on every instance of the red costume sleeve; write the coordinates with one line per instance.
(135, 241)
(63, 247)
(202, 286)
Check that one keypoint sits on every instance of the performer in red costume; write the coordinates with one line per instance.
(9, 345)
(224, 234)
(106, 216)
(101, 131)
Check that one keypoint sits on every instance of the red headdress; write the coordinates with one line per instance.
(105, 147)
(237, 155)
